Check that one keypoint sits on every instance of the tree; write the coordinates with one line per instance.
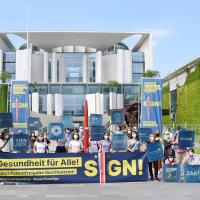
(5, 75)
(151, 73)
(112, 84)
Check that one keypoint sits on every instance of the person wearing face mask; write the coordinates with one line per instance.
(105, 144)
(68, 136)
(129, 132)
(154, 163)
(5, 143)
(167, 142)
(32, 141)
(81, 136)
(179, 152)
(133, 144)
(40, 146)
(170, 160)
(75, 145)
(190, 158)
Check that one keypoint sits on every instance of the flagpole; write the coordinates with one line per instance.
(27, 39)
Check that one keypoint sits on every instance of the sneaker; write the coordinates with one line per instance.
(157, 179)
(151, 179)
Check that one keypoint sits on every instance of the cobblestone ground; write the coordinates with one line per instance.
(150, 190)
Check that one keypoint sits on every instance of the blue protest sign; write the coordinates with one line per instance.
(5, 120)
(119, 142)
(19, 105)
(96, 119)
(171, 173)
(97, 132)
(67, 121)
(34, 123)
(55, 131)
(186, 139)
(20, 142)
(126, 167)
(143, 134)
(117, 117)
(154, 151)
(151, 108)
(192, 173)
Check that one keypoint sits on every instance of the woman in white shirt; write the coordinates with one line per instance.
(75, 145)
(5, 143)
(40, 146)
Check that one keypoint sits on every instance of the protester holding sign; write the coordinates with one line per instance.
(153, 163)
(180, 152)
(5, 143)
(40, 146)
(105, 144)
(81, 136)
(32, 140)
(167, 142)
(68, 136)
(75, 145)
(133, 143)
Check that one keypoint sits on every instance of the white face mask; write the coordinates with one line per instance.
(151, 138)
(105, 137)
(171, 159)
(134, 135)
(81, 130)
(129, 132)
(190, 154)
(76, 137)
(7, 136)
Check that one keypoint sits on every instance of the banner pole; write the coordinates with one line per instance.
(86, 132)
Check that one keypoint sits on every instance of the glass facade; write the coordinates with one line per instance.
(9, 63)
(74, 63)
(74, 95)
(138, 66)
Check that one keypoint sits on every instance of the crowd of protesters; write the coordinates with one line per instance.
(73, 143)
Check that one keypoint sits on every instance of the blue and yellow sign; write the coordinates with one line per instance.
(19, 105)
(151, 108)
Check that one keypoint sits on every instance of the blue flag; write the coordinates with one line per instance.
(67, 121)
(119, 142)
(192, 173)
(154, 151)
(97, 132)
(117, 117)
(186, 139)
(5, 120)
(144, 133)
(34, 123)
(171, 173)
(20, 142)
(55, 131)
(96, 119)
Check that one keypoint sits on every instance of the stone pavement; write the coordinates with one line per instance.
(122, 191)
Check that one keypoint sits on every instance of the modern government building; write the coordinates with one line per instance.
(66, 67)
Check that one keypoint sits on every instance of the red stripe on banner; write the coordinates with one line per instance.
(102, 168)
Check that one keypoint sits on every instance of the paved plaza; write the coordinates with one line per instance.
(114, 191)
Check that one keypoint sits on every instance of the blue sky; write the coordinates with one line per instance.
(174, 23)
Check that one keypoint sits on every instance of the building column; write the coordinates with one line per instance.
(91, 100)
(50, 104)
(120, 101)
(46, 67)
(85, 69)
(98, 103)
(120, 72)
(62, 71)
(1, 62)
(35, 102)
(58, 105)
(102, 104)
(54, 68)
(113, 100)
(98, 71)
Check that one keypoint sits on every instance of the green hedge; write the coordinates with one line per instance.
(188, 99)
(3, 98)
(166, 104)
